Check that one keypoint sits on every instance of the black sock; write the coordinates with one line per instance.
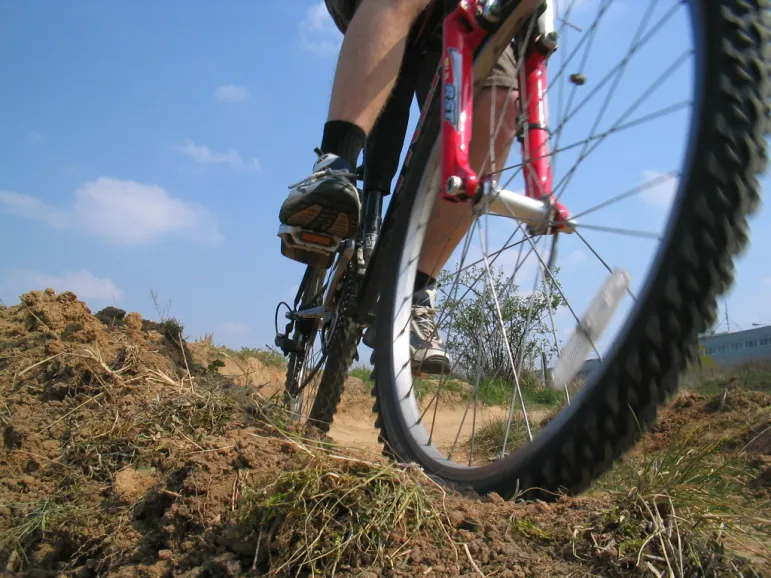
(423, 281)
(343, 139)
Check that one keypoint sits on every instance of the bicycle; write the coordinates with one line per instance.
(367, 280)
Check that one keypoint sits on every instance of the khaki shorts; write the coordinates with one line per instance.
(504, 73)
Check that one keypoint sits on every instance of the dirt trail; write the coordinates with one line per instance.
(354, 424)
(128, 452)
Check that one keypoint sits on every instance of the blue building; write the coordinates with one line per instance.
(729, 348)
(738, 346)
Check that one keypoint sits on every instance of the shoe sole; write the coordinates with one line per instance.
(311, 258)
(431, 366)
(335, 214)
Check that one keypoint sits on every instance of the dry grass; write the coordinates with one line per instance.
(336, 514)
(677, 511)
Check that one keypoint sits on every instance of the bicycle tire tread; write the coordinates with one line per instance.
(332, 384)
(342, 348)
(339, 358)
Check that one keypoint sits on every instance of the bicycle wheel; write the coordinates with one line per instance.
(702, 220)
(301, 387)
(322, 351)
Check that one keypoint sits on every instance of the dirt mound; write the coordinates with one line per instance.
(126, 453)
(242, 369)
(117, 447)
(734, 418)
(732, 425)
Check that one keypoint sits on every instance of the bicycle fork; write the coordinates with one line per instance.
(463, 32)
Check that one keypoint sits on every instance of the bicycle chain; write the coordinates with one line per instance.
(349, 292)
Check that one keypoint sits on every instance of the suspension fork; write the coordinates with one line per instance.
(532, 125)
(462, 35)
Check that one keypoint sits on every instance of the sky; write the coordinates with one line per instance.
(145, 147)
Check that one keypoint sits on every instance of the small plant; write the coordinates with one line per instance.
(529, 529)
(161, 310)
(214, 366)
(33, 521)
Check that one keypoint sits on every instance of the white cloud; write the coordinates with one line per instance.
(83, 283)
(119, 212)
(661, 194)
(204, 155)
(230, 93)
(236, 328)
(318, 33)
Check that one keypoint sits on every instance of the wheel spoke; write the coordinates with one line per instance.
(655, 182)
(620, 231)
(601, 260)
(661, 113)
(494, 294)
(586, 151)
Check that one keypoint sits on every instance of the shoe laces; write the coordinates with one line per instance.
(425, 326)
(323, 173)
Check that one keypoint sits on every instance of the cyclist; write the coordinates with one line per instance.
(375, 80)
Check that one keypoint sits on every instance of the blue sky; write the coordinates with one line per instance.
(146, 146)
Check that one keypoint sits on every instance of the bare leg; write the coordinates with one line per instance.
(451, 221)
(367, 69)
(370, 58)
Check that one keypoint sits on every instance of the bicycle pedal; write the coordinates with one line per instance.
(308, 247)
(309, 240)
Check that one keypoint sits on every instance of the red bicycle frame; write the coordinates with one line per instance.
(462, 35)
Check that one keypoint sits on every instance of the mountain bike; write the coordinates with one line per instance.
(367, 281)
